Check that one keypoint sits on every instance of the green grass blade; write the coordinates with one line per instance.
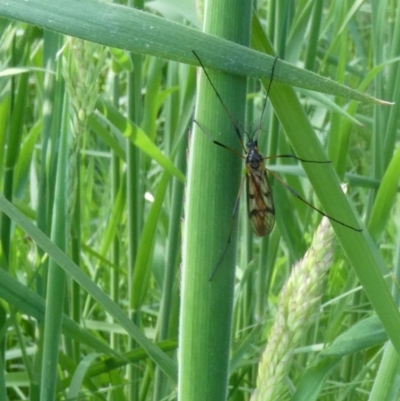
(141, 273)
(141, 32)
(75, 272)
(381, 211)
(139, 138)
(28, 302)
(56, 276)
(213, 183)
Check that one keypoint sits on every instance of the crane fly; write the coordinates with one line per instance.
(260, 203)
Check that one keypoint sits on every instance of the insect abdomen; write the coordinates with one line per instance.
(260, 204)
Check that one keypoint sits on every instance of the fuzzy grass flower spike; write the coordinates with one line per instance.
(297, 306)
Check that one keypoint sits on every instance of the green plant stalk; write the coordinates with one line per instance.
(280, 33)
(385, 381)
(311, 54)
(135, 219)
(4, 121)
(13, 149)
(18, 110)
(378, 32)
(171, 259)
(53, 91)
(133, 165)
(392, 120)
(151, 104)
(178, 119)
(53, 95)
(56, 276)
(3, 387)
(75, 230)
(142, 273)
(392, 90)
(134, 226)
(134, 199)
(213, 183)
(172, 104)
(386, 193)
(338, 137)
(116, 178)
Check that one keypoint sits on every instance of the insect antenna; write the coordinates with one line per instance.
(266, 97)
(236, 127)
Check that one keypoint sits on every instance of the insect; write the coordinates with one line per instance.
(260, 203)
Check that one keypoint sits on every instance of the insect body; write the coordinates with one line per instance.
(260, 204)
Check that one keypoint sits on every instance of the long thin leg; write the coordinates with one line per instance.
(297, 158)
(234, 213)
(293, 192)
(216, 142)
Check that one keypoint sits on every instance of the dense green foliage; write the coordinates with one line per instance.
(98, 208)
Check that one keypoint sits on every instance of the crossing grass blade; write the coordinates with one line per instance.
(144, 33)
(360, 249)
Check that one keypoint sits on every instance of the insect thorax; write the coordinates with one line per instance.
(253, 158)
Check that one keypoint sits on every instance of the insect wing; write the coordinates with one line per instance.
(260, 204)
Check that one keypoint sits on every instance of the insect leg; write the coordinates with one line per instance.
(234, 213)
(297, 158)
(234, 124)
(216, 142)
(296, 194)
